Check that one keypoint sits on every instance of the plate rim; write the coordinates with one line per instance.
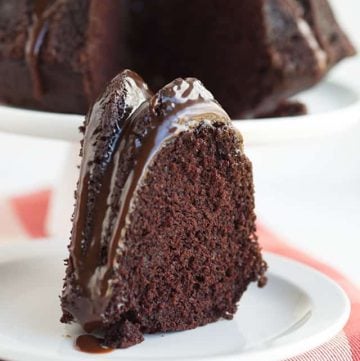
(28, 249)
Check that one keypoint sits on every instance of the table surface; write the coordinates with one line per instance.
(307, 192)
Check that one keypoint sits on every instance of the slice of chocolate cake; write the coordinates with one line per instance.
(164, 229)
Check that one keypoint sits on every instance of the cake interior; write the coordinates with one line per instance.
(190, 228)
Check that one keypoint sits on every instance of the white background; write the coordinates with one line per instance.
(307, 192)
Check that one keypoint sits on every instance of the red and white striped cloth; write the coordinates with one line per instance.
(25, 216)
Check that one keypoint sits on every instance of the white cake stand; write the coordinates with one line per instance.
(334, 107)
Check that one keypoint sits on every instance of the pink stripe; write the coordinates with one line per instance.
(10, 226)
(335, 350)
(31, 211)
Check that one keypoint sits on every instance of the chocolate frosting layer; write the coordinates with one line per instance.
(102, 212)
(43, 11)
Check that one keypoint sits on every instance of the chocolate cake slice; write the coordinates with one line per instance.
(164, 235)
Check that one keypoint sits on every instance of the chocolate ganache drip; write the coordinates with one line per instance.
(104, 201)
(43, 10)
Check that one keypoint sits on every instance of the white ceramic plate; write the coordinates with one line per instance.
(299, 309)
(333, 107)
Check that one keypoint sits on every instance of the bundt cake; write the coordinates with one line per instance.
(164, 235)
(57, 54)
(253, 54)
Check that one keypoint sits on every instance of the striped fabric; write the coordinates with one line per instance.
(25, 217)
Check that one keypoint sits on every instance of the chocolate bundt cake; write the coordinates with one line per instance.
(58, 54)
(253, 54)
(163, 234)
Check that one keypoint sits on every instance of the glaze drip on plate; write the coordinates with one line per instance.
(91, 344)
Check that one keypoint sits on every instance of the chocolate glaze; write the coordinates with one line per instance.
(177, 107)
(91, 344)
(126, 92)
(43, 10)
